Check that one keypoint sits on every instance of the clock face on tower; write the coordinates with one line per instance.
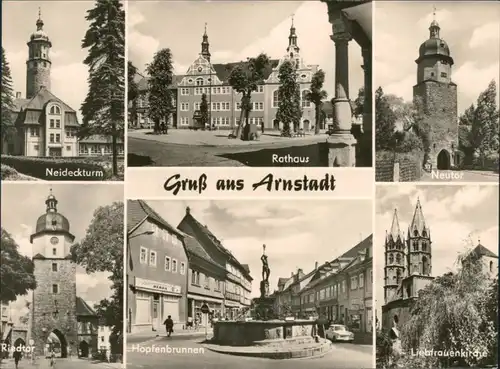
(54, 240)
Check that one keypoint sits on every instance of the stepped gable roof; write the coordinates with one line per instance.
(84, 309)
(139, 210)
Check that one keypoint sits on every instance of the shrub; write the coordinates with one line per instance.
(10, 174)
(38, 167)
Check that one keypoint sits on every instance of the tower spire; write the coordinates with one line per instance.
(51, 202)
(205, 45)
(39, 22)
(395, 230)
(418, 221)
(434, 27)
(292, 39)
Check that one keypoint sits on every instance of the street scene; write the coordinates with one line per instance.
(225, 295)
(437, 117)
(61, 300)
(54, 124)
(437, 291)
(248, 97)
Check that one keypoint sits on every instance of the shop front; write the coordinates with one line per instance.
(232, 310)
(154, 302)
(195, 303)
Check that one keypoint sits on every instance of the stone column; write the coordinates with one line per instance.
(341, 143)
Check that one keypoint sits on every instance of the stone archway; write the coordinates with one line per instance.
(443, 160)
(306, 124)
(57, 342)
(19, 342)
(83, 349)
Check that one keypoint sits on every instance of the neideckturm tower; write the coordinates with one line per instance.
(395, 260)
(38, 64)
(436, 97)
(54, 314)
(419, 267)
(205, 45)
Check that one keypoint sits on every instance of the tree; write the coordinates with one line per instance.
(133, 92)
(484, 128)
(245, 79)
(359, 102)
(465, 142)
(16, 270)
(385, 121)
(104, 107)
(101, 250)
(289, 109)
(7, 99)
(161, 76)
(316, 95)
(204, 110)
(453, 313)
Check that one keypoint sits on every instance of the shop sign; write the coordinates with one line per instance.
(154, 286)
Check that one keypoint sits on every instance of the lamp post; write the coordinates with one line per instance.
(129, 237)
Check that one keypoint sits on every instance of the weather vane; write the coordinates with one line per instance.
(434, 12)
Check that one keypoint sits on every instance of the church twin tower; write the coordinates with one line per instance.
(408, 266)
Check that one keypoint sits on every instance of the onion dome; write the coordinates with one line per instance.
(434, 45)
(52, 220)
(39, 34)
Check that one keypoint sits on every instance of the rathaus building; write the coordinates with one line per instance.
(205, 77)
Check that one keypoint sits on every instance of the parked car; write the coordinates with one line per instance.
(339, 332)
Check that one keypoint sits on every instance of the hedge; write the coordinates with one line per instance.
(61, 169)
(10, 174)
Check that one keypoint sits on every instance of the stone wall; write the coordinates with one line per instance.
(44, 303)
(439, 108)
(400, 308)
(37, 77)
(397, 167)
(237, 333)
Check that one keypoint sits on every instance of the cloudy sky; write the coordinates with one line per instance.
(296, 234)
(69, 74)
(77, 202)
(458, 216)
(236, 30)
(471, 29)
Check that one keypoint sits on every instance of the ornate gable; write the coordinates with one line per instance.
(201, 68)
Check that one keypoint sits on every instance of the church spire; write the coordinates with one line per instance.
(395, 230)
(205, 45)
(418, 226)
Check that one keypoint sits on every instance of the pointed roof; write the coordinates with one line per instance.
(191, 226)
(83, 309)
(480, 250)
(395, 231)
(418, 221)
(42, 97)
(139, 210)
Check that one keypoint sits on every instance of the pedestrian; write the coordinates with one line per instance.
(17, 356)
(169, 325)
(52, 358)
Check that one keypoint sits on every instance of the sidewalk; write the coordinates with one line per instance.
(177, 332)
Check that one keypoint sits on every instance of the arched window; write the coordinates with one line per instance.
(276, 99)
(425, 266)
(398, 276)
(424, 246)
(424, 234)
(391, 259)
(56, 110)
(415, 245)
(303, 98)
(491, 266)
(398, 259)
(415, 233)
(199, 81)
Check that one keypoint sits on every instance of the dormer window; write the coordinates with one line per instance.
(56, 110)
(199, 81)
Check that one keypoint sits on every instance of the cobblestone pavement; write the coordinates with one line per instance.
(189, 354)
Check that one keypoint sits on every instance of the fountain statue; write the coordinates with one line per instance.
(266, 333)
